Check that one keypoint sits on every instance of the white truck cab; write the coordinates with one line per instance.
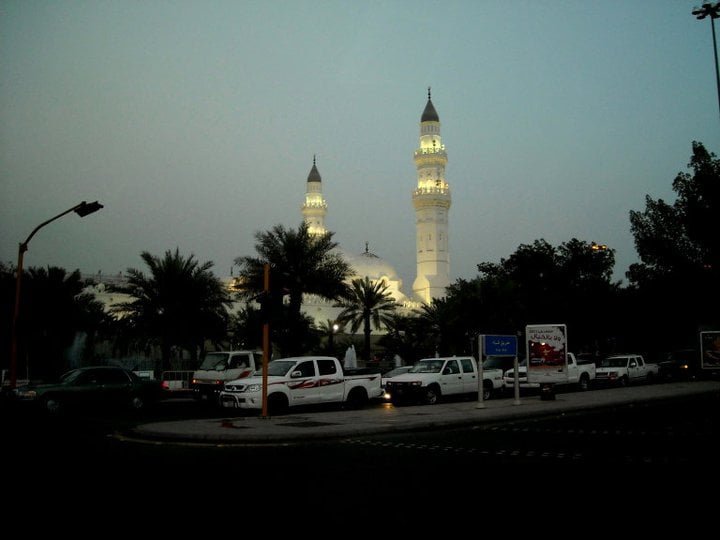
(220, 367)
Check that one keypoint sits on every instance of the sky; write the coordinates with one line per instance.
(195, 122)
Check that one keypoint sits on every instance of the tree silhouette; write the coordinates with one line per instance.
(300, 263)
(675, 284)
(367, 304)
(179, 304)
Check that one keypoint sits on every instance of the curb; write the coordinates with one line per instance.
(301, 428)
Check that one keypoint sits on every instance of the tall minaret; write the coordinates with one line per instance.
(431, 200)
(315, 207)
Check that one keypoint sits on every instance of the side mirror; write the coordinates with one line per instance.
(633, 364)
(296, 374)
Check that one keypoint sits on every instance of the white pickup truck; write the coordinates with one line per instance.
(303, 380)
(582, 373)
(624, 369)
(220, 367)
(431, 378)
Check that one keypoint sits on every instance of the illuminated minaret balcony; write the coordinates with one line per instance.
(315, 206)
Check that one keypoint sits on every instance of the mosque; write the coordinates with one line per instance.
(431, 199)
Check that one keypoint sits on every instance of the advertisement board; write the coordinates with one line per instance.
(547, 353)
(710, 350)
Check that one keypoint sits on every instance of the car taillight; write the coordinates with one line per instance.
(165, 385)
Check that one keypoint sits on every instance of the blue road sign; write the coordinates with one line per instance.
(500, 345)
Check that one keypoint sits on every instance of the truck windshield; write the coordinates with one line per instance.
(280, 368)
(428, 366)
(216, 361)
(614, 362)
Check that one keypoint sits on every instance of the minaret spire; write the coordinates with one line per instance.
(315, 206)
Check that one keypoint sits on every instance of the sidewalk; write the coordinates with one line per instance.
(321, 424)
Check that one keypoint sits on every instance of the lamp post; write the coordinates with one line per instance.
(83, 209)
(708, 9)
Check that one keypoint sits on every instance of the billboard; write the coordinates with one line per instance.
(710, 350)
(547, 353)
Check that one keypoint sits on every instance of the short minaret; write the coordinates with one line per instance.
(315, 207)
(431, 200)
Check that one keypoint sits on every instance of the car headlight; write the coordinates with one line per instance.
(253, 388)
(25, 394)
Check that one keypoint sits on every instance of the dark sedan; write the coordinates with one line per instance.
(683, 364)
(91, 387)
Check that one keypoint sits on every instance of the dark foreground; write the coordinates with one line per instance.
(662, 453)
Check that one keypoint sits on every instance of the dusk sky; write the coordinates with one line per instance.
(195, 122)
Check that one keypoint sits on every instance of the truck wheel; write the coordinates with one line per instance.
(52, 405)
(137, 403)
(277, 404)
(583, 383)
(624, 381)
(357, 399)
(432, 395)
(487, 390)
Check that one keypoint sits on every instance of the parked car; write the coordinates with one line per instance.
(623, 369)
(432, 378)
(220, 367)
(92, 387)
(509, 377)
(683, 364)
(580, 373)
(389, 375)
(303, 380)
(499, 362)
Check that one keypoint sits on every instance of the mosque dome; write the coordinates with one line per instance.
(370, 265)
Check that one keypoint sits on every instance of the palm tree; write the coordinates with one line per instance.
(367, 303)
(181, 303)
(436, 318)
(300, 263)
(53, 310)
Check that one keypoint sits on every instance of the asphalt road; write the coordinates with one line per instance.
(660, 453)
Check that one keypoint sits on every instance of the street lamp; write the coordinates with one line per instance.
(713, 11)
(83, 209)
(333, 329)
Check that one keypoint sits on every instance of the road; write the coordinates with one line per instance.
(676, 436)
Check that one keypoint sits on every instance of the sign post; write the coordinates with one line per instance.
(480, 402)
(266, 342)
